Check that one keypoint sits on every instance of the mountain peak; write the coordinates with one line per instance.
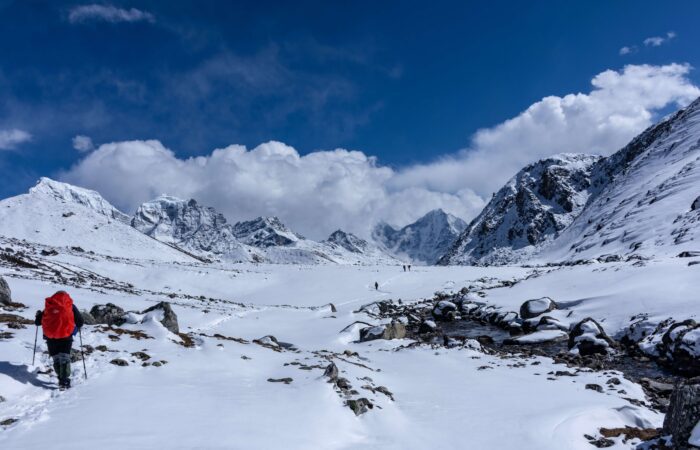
(348, 241)
(73, 194)
(425, 240)
(265, 232)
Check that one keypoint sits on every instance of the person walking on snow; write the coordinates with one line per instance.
(60, 321)
(376, 286)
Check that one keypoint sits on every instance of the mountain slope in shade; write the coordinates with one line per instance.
(265, 232)
(537, 204)
(190, 226)
(61, 215)
(423, 241)
(645, 198)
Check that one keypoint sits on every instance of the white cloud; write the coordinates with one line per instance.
(627, 50)
(620, 105)
(9, 139)
(107, 13)
(315, 194)
(83, 143)
(324, 190)
(656, 41)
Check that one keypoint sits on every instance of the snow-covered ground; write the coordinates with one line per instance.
(216, 394)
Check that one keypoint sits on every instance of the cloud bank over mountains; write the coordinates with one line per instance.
(321, 191)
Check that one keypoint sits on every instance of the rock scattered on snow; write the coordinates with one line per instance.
(5, 293)
(696, 204)
(683, 414)
(109, 314)
(394, 330)
(331, 372)
(595, 387)
(286, 380)
(168, 319)
(88, 319)
(536, 307)
(445, 310)
(119, 362)
(588, 338)
(359, 406)
(427, 326)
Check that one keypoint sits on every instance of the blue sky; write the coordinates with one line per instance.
(409, 83)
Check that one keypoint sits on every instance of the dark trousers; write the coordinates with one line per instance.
(57, 346)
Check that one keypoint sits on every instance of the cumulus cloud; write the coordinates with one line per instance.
(315, 194)
(620, 105)
(656, 41)
(11, 138)
(107, 13)
(83, 143)
(324, 190)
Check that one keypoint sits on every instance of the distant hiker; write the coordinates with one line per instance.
(60, 320)
(404, 268)
(409, 267)
(376, 286)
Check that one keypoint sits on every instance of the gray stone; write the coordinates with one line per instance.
(5, 293)
(331, 372)
(169, 317)
(109, 314)
(536, 307)
(360, 405)
(696, 204)
(88, 318)
(394, 330)
(119, 362)
(589, 338)
(683, 414)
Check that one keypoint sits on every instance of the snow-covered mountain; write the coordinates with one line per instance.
(643, 200)
(643, 196)
(265, 232)
(530, 211)
(61, 215)
(423, 241)
(354, 246)
(190, 226)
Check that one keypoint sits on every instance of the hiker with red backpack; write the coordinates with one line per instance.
(60, 321)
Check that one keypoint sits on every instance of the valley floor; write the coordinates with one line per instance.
(216, 394)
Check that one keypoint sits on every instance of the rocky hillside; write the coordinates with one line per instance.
(642, 201)
(644, 198)
(531, 210)
(190, 226)
(423, 241)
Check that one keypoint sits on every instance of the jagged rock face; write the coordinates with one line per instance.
(683, 414)
(73, 194)
(423, 241)
(348, 241)
(265, 232)
(189, 226)
(5, 294)
(528, 212)
(642, 197)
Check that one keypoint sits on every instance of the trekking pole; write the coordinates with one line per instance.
(36, 333)
(82, 353)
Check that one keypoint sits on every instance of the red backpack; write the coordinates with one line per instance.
(58, 321)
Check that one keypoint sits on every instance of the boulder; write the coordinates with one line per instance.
(445, 310)
(696, 204)
(360, 405)
(394, 330)
(683, 414)
(119, 362)
(537, 306)
(88, 318)
(680, 348)
(109, 314)
(331, 372)
(5, 293)
(589, 338)
(427, 326)
(168, 317)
